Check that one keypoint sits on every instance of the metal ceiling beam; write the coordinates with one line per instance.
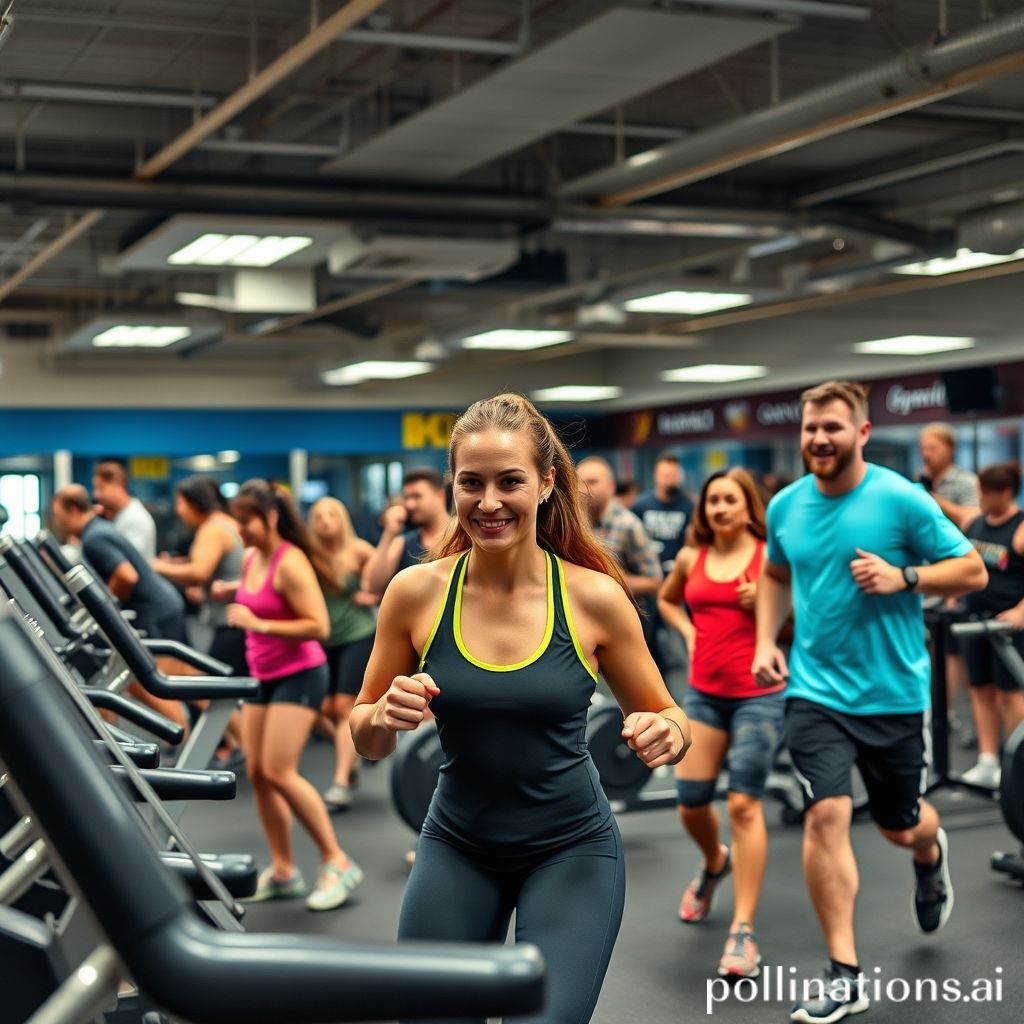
(416, 41)
(913, 79)
(116, 95)
(867, 180)
(972, 111)
(97, 20)
(812, 8)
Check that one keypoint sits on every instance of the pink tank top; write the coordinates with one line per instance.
(273, 657)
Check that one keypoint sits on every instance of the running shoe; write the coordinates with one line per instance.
(933, 890)
(334, 885)
(700, 893)
(840, 997)
(270, 888)
(741, 958)
(338, 797)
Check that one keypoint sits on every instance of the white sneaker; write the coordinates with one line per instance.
(334, 884)
(982, 774)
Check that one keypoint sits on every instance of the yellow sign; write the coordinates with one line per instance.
(715, 460)
(427, 430)
(149, 467)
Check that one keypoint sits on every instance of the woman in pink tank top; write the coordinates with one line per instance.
(279, 604)
(734, 720)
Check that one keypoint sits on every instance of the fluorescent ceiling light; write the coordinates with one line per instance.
(714, 373)
(356, 373)
(912, 345)
(965, 259)
(228, 456)
(140, 336)
(576, 393)
(687, 302)
(513, 338)
(217, 250)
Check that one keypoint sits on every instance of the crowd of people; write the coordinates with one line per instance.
(799, 623)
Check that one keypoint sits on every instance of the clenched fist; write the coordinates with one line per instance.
(405, 704)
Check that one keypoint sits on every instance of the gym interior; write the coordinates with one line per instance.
(293, 242)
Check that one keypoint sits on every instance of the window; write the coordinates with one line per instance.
(20, 496)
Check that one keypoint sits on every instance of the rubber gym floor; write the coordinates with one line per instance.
(662, 971)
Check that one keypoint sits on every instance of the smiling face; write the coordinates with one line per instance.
(831, 440)
(725, 507)
(497, 488)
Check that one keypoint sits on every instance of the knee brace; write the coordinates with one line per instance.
(695, 792)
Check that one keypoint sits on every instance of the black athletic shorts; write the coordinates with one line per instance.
(893, 753)
(308, 688)
(347, 665)
(984, 666)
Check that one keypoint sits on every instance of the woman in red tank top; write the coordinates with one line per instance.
(734, 721)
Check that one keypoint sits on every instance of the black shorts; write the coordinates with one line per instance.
(984, 666)
(893, 753)
(228, 645)
(347, 665)
(308, 688)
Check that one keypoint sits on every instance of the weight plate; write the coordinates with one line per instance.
(414, 770)
(622, 773)
(1011, 786)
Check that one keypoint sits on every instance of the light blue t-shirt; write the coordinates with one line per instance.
(862, 654)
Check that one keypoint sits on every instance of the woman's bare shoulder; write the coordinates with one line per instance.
(593, 592)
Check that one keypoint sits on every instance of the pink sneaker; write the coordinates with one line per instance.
(699, 895)
(741, 958)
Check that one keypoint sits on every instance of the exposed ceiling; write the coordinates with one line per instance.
(467, 165)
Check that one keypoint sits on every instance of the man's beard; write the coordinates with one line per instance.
(842, 460)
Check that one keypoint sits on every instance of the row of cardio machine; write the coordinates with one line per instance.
(107, 912)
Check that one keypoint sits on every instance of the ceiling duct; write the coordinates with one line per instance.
(912, 79)
(617, 56)
(411, 256)
(995, 229)
(259, 291)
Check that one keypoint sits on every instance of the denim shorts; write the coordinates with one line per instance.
(754, 725)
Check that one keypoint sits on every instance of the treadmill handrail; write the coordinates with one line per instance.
(145, 718)
(195, 659)
(176, 784)
(56, 612)
(96, 598)
(190, 969)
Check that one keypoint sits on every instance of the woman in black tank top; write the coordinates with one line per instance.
(997, 534)
(501, 636)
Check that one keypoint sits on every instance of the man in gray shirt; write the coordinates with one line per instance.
(953, 487)
(128, 514)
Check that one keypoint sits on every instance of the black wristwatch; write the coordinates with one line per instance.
(910, 577)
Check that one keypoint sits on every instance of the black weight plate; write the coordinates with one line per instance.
(414, 770)
(1011, 786)
(622, 773)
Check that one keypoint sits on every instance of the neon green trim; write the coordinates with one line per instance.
(568, 622)
(548, 630)
(440, 611)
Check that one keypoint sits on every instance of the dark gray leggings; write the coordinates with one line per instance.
(568, 903)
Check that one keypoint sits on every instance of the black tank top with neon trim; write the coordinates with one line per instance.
(517, 775)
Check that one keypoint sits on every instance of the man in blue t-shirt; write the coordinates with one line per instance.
(854, 546)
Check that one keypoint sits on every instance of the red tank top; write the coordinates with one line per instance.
(273, 657)
(726, 634)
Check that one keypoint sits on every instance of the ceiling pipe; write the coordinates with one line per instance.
(810, 8)
(100, 94)
(418, 41)
(920, 75)
(295, 199)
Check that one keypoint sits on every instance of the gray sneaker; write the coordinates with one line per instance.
(334, 885)
(338, 797)
(270, 888)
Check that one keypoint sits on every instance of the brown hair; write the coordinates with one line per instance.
(259, 498)
(1000, 476)
(74, 496)
(853, 394)
(701, 533)
(112, 471)
(427, 474)
(562, 525)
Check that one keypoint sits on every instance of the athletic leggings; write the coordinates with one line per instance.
(568, 903)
